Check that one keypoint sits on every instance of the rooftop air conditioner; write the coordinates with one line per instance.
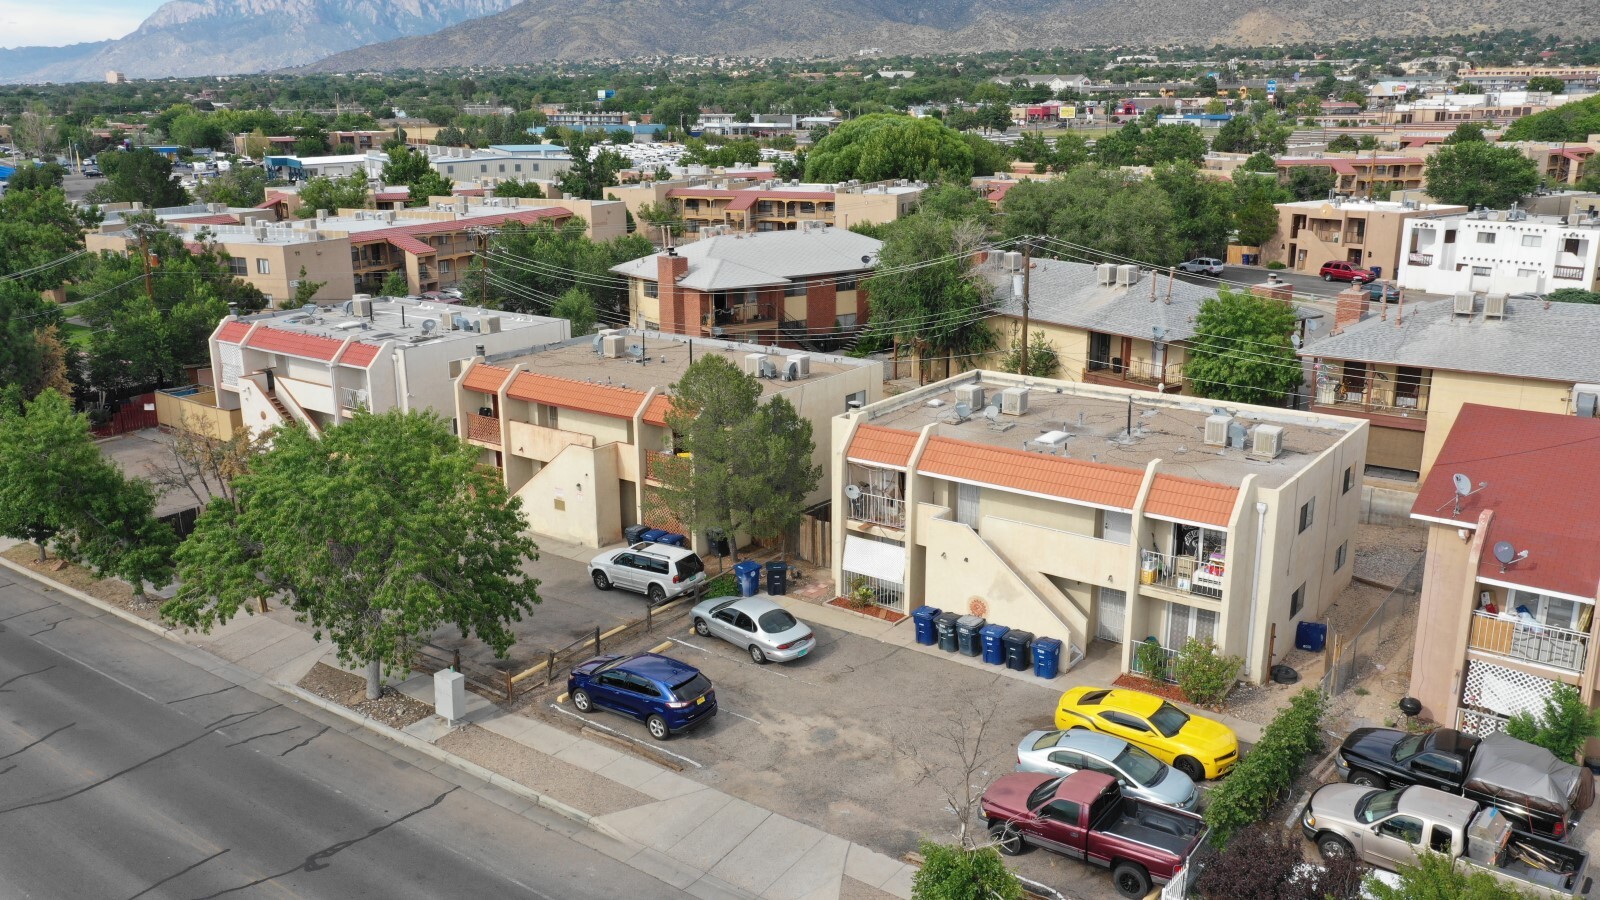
(1106, 274)
(613, 346)
(361, 306)
(489, 325)
(971, 395)
(1464, 303)
(753, 364)
(1494, 306)
(1267, 442)
(1013, 261)
(801, 364)
(1127, 275)
(1014, 401)
(1217, 429)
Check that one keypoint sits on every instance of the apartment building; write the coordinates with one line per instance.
(1410, 368)
(579, 431)
(315, 366)
(1355, 175)
(1502, 252)
(587, 118)
(1512, 567)
(797, 286)
(1577, 79)
(499, 162)
(1559, 163)
(1361, 232)
(767, 204)
(1101, 516)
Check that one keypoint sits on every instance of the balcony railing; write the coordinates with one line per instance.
(354, 398)
(1340, 396)
(1153, 661)
(658, 464)
(1185, 574)
(483, 428)
(878, 509)
(1547, 645)
(742, 314)
(1143, 371)
(1571, 273)
(1420, 259)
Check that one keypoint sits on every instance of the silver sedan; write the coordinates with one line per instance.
(1141, 775)
(760, 627)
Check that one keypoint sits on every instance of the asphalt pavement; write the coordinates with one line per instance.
(126, 771)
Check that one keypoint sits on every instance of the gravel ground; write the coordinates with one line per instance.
(111, 590)
(1385, 553)
(393, 708)
(560, 780)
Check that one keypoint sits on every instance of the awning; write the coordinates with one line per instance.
(875, 559)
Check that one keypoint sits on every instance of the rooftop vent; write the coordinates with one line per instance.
(753, 363)
(1217, 430)
(1267, 442)
(1494, 306)
(1463, 305)
(1014, 401)
(1127, 275)
(1106, 274)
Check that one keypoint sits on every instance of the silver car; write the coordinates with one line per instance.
(762, 628)
(1140, 774)
(1205, 265)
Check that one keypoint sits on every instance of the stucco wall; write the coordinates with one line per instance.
(574, 497)
(1452, 389)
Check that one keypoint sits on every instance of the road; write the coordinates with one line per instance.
(128, 773)
(1240, 277)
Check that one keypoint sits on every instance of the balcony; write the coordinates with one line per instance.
(740, 315)
(1419, 259)
(877, 509)
(1184, 574)
(1341, 398)
(658, 464)
(484, 429)
(1528, 641)
(1571, 273)
(1142, 372)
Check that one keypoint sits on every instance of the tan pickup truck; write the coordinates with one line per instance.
(1390, 828)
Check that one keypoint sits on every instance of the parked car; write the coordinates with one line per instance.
(1391, 828)
(756, 625)
(1140, 774)
(659, 571)
(1086, 816)
(1343, 271)
(1383, 292)
(1196, 746)
(92, 172)
(1205, 265)
(1528, 784)
(667, 695)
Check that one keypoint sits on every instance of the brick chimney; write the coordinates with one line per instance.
(1273, 288)
(675, 318)
(1350, 307)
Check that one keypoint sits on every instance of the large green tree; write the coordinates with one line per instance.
(531, 266)
(1202, 206)
(1573, 121)
(777, 474)
(334, 194)
(1480, 174)
(594, 168)
(240, 186)
(39, 231)
(925, 293)
(377, 534)
(1255, 210)
(138, 176)
(882, 146)
(1241, 351)
(1099, 211)
(712, 406)
(430, 185)
(405, 166)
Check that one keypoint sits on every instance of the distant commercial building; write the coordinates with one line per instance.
(115, 77)
(1577, 79)
(1355, 174)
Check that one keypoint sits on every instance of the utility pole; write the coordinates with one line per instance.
(1027, 278)
(144, 254)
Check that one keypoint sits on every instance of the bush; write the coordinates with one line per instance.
(1266, 863)
(956, 873)
(1205, 677)
(1151, 658)
(1258, 780)
(1436, 875)
(1275, 265)
(1563, 728)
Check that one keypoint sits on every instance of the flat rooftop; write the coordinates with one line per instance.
(1169, 427)
(393, 318)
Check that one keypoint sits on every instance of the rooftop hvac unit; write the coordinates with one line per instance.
(800, 363)
(1217, 429)
(1014, 401)
(753, 364)
(1127, 275)
(489, 325)
(1013, 261)
(613, 346)
(1464, 303)
(1106, 274)
(1585, 404)
(1494, 306)
(261, 232)
(971, 395)
(1267, 442)
(361, 306)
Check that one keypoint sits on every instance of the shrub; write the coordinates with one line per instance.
(1204, 676)
(1275, 264)
(1437, 875)
(956, 873)
(1258, 780)
(1563, 728)
(1152, 660)
(1265, 863)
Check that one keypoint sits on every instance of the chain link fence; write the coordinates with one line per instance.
(1375, 647)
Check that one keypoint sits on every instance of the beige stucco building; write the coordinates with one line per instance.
(578, 429)
(744, 203)
(1365, 233)
(1046, 515)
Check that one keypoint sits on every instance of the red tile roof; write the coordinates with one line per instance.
(876, 444)
(1071, 479)
(404, 236)
(233, 332)
(359, 355)
(999, 189)
(392, 195)
(1543, 474)
(656, 412)
(1191, 500)
(309, 346)
(272, 200)
(566, 393)
(410, 245)
(486, 379)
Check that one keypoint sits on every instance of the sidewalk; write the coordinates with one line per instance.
(689, 835)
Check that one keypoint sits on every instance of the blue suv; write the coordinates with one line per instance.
(667, 695)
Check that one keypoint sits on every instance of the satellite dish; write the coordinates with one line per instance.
(852, 491)
(1504, 552)
(1294, 341)
(1463, 484)
(428, 325)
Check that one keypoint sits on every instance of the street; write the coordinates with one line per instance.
(128, 772)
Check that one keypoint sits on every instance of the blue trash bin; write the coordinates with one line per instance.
(1311, 636)
(676, 540)
(1046, 657)
(748, 574)
(923, 618)
(654, 535)
(994, 648)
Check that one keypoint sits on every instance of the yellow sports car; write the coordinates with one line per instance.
(1195, 746)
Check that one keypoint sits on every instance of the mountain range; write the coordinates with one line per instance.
(221, 37)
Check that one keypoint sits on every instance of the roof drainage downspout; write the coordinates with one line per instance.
(1255, 590)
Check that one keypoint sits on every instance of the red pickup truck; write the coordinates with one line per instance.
(1085, 816)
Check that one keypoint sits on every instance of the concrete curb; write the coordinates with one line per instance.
(96, 602)
(455, 762)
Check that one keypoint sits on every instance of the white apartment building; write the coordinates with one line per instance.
(1500, 252)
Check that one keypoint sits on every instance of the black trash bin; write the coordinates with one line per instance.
(967, 638)
(633, 534)
(945, 625)
(1018, 656)
(777, 578)
(717, 540)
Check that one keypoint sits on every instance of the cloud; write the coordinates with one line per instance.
(28, 24)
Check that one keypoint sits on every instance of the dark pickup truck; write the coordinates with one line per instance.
(1529, 785)
(1085, 816)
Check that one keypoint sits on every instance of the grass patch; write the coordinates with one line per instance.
(724, 585)
(76, 335)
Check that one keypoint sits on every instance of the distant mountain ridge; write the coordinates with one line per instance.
(220, 37)
(540, 30)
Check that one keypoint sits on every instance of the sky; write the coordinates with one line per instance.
(28, 23)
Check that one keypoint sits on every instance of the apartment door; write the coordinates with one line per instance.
(1185, 622)
(967, 505)
(1113, 610)
(1116, 526)
(1099, 351)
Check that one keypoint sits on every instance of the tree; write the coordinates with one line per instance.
(1548, 84)
(1202, 208)
(138, 176)
(1564, 726)
(395, 285)
(567, 259)
(1465, 133)
(1573, 295)
(31, 357)
(306, 289)
(881, 146)
(1260, 162)
(1241, 351)
(1311, 182)
(33, 178)
(594, 168)
(710, 405)
(431, 184)
(1043, 360)
(512, 188)
(439, 542)
(667, 214)
(242, 186)
(1264, 863)
(39, 231)
(333, 194)
(676, 111)
(778, 472)
(1480, 174)
(1573, 121)
(958, 873)
(405, 166)
(1439, 877)
(925, 293)
(1113, 213)
(577, 307)
(1344, 143)
(1255, 210)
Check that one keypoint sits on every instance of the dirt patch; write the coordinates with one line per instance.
(870, 611)
(393, 709)
(1159, 688)
(111, 590)
(851, 889)
(558, 780)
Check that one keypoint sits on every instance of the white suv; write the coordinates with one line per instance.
(659, 571)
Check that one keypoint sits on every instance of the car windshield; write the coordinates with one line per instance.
(1408, 748)
(777, 621)
(1169, 720)
(689, 567)
(1377, 806)
(1043, 793)
(1141, 766)
(692, 687)
(1050, 739)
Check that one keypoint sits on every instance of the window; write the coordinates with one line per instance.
(1450, 236)
(444, 267)
(846, 283)
(236, 266)
(1297, 601)
(795, 289)
(1072, 759)
(502, 167)
(1124, 720)
(1062, 811)
(1349, 479)
(1533, 240)
(1480, 270)
(1308, 514)
(1526, 273)
(1485, 237)
(1570, 245)
(263, 267)
(1403, 827)
(855, 400)
(1339, 555)
(450, 170)
(1440, 841)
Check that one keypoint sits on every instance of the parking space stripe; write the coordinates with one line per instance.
(627, 737)
(770, 670)
(724, 709)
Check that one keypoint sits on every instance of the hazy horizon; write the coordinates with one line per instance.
(24, 24)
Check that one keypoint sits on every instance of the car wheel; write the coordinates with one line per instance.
(701, 628)
(1191, 767)
(581, 701)
(1131, 880)
(1368, 779)
(756, 654)
(601, 581)
(658, 728)
(1326, 276)
(1007, 839)
(1333, 847)
(656, 594)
